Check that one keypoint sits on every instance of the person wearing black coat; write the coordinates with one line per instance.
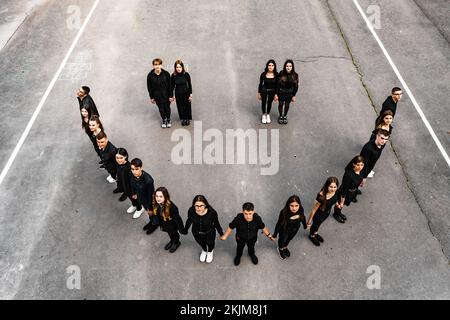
(86, 101)
(124, 177)
(181, 82)
(142, 189)
(164, 213)
(372, 150)
(160, 91)
(108, 155)
(288, 224)
(205, 222)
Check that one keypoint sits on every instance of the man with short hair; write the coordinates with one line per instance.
(108, 154)
(160, 90)
(86, 101)
(142, 189)
(247, 225)
(391, 102)
(371, 152)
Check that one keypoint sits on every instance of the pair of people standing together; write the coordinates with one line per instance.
(161, 85)
(281, 87)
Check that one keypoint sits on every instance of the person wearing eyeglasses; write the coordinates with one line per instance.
(205, 222)
(391, 102)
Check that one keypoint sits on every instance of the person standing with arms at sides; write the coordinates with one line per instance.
(384, 121)
(85, 116)
(348, 191)
(124, 177)
(247, 225)
(166, 212)
(266, 89)
(391, 102)
(325, 200)
(287, 88)
(86, 101)
(181, 82)
(160, 91)
(108, 152)
(289, 221)
(96, 126)
(371, 152)
(142, 188)
(204, 222)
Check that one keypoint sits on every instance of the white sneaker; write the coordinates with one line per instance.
(209, 257)
(264, 120)
(163, 124)
(110, 179)
(131, 209)
(268, 118)
(203, 256)
(137, 214)
(169, 125)
(371, 174)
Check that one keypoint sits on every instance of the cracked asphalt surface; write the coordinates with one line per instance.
(57, 211)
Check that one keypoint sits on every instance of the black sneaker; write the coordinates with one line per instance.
(151, 229)
(167, 247)
(280, 120)
(281, 254)
(287, 253)
(123, 197)
(354, 200)
(174, 247)
(237, 260)
(117, 190)
(254, 259)
(314, 240)
(338, 218)
(318, 237)
(342, 216)
(285, 120)
(147, 226)
(188, 122)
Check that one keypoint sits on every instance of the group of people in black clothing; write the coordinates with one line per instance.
(137, 185)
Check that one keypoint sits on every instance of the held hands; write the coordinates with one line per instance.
(275, 97)
(190, 98)
(294, 98)
(152, 101)
(224, 237)
(171, 99)
(134, 196)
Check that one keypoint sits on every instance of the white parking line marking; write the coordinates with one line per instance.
(45, 96)
(405, 86)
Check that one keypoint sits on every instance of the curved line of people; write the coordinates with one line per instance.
(137, 185)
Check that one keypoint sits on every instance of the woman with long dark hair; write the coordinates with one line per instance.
(384, 121)
(124, 176)
(349, 189)
(204, 222)
(287, 88)
(181, 82)
(169, 220)
(96, 126)
(267, 89)
(289, 220)
(86, 114)
(325, 200)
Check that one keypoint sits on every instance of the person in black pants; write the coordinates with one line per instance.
(86, 101)
(204, 222)
(95, 127)
(247, 225)
(349, 189)
(142, 189)
(289, 220)
(181, 82)
(124, 177)
(266, 89)
(108, 153)
(160, 90)
(169, 220)
(287, 88)
(325, 200)
(371, 152)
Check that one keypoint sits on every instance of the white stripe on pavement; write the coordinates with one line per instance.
(405, 86)
(45, 96)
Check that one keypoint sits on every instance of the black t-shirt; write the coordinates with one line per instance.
(389, 104)
(330, 202)
(371, 153)
(247, 230)
(181, 82)
(267, 83)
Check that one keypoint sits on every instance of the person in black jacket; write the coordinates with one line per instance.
(247, 225)
(168, 218)
(142, 189)
(371, 152)
(124, 177)
(86, 101)
(349, 189)
(289, 221)
(266, 89)
(160, 90)
(391, 102)
(108, 153)
(181, 82)
(287, 88)
(325, 200)
(204, 222)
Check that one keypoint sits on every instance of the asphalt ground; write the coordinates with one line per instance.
(58, 211)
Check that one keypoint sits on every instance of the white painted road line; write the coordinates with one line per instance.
(405, 86)
(45, 96)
